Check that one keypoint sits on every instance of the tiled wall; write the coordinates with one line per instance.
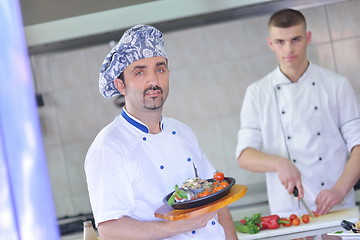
(211, 66)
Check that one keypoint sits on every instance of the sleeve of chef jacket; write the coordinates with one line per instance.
(349, 115)
(249, 135)
(109, 183)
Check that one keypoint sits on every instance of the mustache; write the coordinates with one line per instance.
(153, 88)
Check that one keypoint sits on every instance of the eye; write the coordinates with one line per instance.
(298, 39)
(161, 69)
(139, 73)
(279, 42)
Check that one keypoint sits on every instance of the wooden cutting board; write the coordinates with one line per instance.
(331, 219)
(169, 213)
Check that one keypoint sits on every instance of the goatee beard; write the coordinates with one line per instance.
(154, 107)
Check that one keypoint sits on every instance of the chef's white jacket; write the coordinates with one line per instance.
(129, 171)
(314, 122)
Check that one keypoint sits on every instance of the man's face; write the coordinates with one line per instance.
(289, 45)
(146, 84)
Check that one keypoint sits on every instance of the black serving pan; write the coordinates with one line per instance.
(204, 200)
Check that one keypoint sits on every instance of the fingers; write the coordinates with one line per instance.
(325, 202)
(300, 189)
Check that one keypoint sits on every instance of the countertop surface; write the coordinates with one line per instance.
(322, 224)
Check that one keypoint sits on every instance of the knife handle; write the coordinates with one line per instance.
(296, 192)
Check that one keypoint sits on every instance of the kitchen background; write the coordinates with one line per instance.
(211, 65)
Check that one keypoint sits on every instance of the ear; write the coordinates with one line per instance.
(308, 37)
(269, 42)
(120, 86)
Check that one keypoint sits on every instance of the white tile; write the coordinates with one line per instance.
(262, 64)
(68, 70)
(344, 19)
(322, 55)
(256, 32)
(317, 23)
(95, 56)
(81, 203)
(347, 54)
(75, 114)
(225, 41)
(58, 172)
(65, 207)
(41, 75)
(49, 122)
(194, 94)
(104, 109)
(186, 48)
(232, 78)
(75, 156)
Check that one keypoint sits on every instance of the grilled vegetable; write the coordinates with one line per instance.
(351, 226)
(347, 225)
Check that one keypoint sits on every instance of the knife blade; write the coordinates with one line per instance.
(296, 194)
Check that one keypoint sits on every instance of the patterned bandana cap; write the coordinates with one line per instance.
(138, 42)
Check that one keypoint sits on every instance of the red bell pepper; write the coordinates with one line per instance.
(271, 222)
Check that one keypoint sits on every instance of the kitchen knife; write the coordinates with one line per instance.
(296, 194)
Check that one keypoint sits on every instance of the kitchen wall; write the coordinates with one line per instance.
(211, 66)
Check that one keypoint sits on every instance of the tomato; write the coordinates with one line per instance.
(218, 176)
(203, 194)
(305, 218)
(177, 198)
(286, 224)
(296, 222)
(316, 215)
(218, 189)
(224, 184)
(293, 216)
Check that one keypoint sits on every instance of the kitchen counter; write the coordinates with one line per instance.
(316, 227)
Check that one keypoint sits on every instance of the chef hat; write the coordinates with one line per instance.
(138, 42)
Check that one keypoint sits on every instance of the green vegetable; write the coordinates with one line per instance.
(244, 228)
(250, 225)
(177, 193)
(339, 232)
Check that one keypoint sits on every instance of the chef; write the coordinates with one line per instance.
(137, 159)
(301, 125)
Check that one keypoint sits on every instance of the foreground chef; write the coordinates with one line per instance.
(301, 125)
(140, 156)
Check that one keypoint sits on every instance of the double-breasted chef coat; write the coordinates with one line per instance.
(129, 171)
(314, 122)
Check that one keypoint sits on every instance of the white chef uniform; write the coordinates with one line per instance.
(130, 171)
(314, 123)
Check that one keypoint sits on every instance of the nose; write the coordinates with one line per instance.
(289, 47)
(153, 78)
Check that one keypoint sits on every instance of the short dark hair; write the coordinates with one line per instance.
(286, 18)
(121, 76)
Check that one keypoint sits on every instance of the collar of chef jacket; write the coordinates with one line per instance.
(281, 78)
(137, 123)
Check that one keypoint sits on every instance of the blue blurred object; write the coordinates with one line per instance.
(26, 206)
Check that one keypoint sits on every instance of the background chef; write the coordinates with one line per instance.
(301, 125)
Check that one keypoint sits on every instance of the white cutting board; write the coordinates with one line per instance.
(329, 220)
